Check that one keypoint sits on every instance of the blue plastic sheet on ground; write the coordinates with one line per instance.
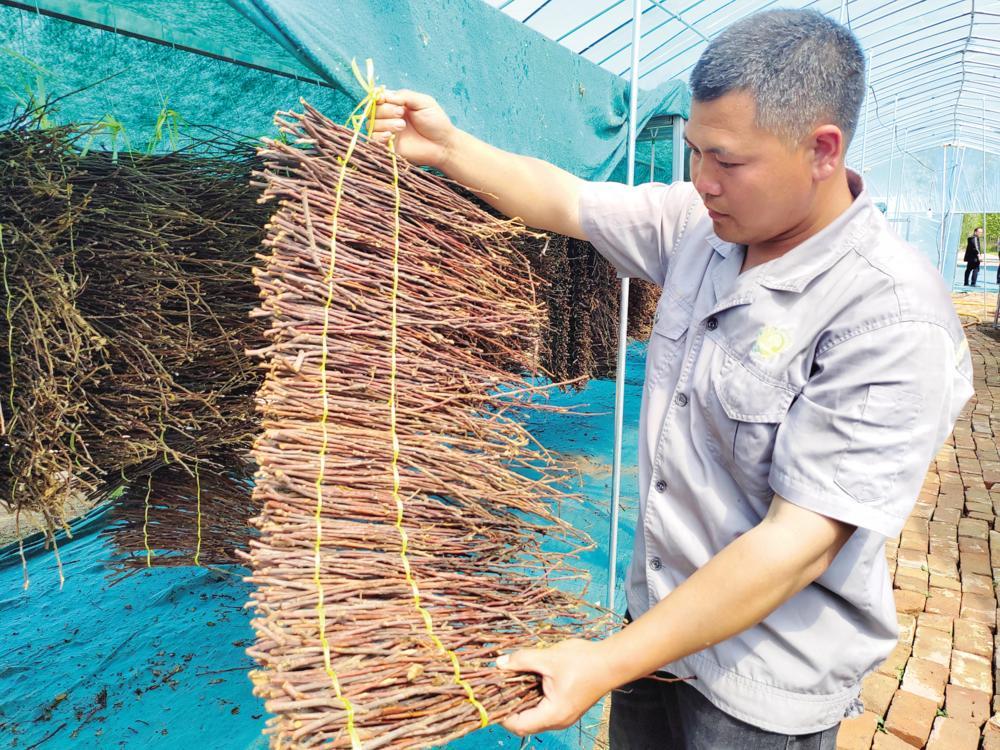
(157, 660)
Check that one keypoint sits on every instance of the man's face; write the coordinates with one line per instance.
(756, 186)
(979, 233)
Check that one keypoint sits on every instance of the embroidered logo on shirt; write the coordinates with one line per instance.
(771, 341)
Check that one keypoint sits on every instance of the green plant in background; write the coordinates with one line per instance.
(112, 127)
(33, 93)
(168, 123)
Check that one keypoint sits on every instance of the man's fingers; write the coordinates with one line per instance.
(535, 720)
(525, 660)
(386, 110)
(390, 125)
(410, 99)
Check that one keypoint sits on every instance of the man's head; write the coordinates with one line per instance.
(776, 98)
(978, 231)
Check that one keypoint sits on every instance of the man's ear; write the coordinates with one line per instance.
(827, 146)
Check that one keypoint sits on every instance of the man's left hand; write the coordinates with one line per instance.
(574, 677)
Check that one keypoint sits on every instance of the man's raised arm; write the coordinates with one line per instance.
(540, 194)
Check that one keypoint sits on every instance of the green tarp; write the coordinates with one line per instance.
(496, 78)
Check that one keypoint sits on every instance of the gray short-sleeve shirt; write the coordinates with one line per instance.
(830, 376)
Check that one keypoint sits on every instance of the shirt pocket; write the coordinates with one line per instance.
(666, 343)
(752, 410)
(879, 444)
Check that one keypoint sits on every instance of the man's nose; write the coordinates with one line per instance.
(705, 182)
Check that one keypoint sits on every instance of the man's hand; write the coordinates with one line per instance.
(422, 129)
(574, 678)
(540, 194)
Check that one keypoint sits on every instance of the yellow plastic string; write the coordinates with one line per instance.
(356, 124)
(197, 489)
(145, 521)
(393, 345)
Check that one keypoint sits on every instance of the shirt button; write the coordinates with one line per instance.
(712, 323)
(661, 486)
(681, 400)
(655, 563)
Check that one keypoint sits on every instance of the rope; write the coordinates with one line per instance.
(373, 95)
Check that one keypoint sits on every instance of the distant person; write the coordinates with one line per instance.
(972, 248)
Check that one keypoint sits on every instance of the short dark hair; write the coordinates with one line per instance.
(799, 66)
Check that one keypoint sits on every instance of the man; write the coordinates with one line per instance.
(804, 367)
(972, 256)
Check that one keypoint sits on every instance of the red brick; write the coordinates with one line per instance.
(973, 544)
(856, 733)
(893, 665)
(967, 705)
(944, 548)
(885, 741)
(910, 579)
(973, 583)
(910, 717)
(973, 637)
(938, 622)
(941, 566)
(932, 645)
(942, 529)
(976, 562)
(907, 627)
(952, 734)
(947, 515)
(979, 608)
(991, 733)
(971, 671)
(927, 679)
(908, 558)
(952, 582)
(943, 602)
(914, 540)
(910, 602)
(877, 690)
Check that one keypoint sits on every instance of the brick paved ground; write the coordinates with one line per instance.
(940, 688)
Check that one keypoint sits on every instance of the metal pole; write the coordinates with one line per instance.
(843, 7)
(864, 137)
(942, 252)
(652, 157)
(677, 133)
(959, 166)
(616, 467)
(902, 169)
(892, 155)
(982, 240)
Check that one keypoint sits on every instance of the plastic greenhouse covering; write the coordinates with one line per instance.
(928, 143)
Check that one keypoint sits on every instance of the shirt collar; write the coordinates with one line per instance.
(803, 263)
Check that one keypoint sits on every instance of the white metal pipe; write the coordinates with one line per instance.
(902, 170)
(942, 251)
(616, 467)
(982, 240)
(677, 162)
(868, 95)
(892, 156)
